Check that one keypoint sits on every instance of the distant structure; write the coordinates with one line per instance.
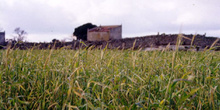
(104, 33)
(2, 38)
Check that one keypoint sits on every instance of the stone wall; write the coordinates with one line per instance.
(145, 43)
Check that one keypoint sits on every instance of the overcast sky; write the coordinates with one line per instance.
(47, 19)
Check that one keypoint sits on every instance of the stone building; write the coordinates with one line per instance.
(2, 38)
(104, 33)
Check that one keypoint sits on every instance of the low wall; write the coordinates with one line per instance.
(127, 43)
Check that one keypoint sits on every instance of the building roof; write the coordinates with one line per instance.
(103, 28)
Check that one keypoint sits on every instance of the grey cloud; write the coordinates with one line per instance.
(37, 18)
(137, 17)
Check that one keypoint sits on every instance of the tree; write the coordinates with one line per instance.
(20, 34)
(81, 31)
(55, 41)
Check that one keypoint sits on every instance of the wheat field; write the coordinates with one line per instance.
(109, 79)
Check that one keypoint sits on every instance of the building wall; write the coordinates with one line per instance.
(116, 33)
(2, 38)
(98, 36)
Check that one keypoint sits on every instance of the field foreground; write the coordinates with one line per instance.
(109, 79)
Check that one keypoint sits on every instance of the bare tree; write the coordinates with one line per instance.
(20, 34)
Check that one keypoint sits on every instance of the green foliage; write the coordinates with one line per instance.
(81, 31)
(109, 79)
